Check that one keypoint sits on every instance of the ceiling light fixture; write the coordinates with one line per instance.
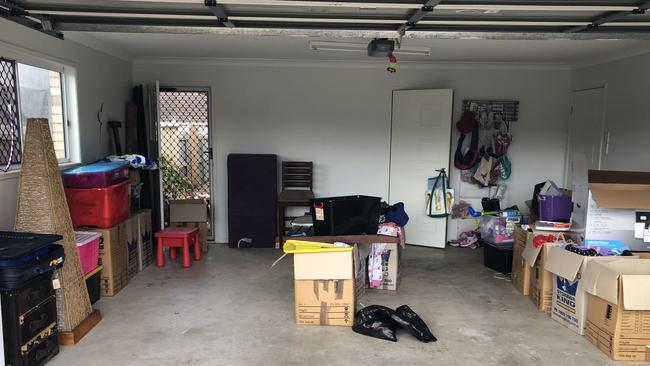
(363, 48)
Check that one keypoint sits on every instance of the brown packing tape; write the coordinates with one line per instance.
(316, 289)
(323, 313)
(339, 289)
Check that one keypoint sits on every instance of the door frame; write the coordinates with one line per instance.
(197, 87)
(567, 157)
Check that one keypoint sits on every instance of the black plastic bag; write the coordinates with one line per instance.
(380, 322)
(375, 321)
(410, 321)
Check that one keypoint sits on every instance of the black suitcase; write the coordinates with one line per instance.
(21, 248)
(12, 278)
(20, 328)
(39, 351)
(34, 293)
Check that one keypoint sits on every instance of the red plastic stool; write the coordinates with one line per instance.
(178, 237)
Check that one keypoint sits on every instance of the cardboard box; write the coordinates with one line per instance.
(190, 210)
(391, 257)
(203, 232)
(325, 302)
(320, 266)
(605, 205)
(359, 259)
(541, 280)
(569, 302)
(132, 234)
(520, 274)
(145, 235)
(113, 258)
(618, 314)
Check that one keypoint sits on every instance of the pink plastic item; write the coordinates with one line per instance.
(88, 249)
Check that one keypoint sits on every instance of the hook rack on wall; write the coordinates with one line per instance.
(493, 112)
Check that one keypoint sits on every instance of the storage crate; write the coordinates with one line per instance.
(498, 229)
(100, 207)
(498, 257)
(347, 215)
(555, 208)
(94, 283)
(88, 249)
(97, 175)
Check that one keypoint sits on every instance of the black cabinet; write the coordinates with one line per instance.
(252, 200)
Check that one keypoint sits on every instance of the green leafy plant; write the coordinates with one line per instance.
(176, 184)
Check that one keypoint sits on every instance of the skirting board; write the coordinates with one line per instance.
(74, 336)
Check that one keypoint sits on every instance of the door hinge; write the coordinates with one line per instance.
(209, 153)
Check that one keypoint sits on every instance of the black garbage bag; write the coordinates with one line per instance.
(375, 321)
(380, 322)
(409, 320)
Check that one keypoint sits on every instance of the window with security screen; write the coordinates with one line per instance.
(10, 149)
(28, 91)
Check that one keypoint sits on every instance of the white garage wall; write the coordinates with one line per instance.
(100, 78)
(626, 109)
(338, 116)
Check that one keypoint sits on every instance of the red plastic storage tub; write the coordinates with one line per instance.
(100, 207)
(88, 249)
(97, 175)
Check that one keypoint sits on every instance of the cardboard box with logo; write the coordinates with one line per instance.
(113, 258)
(325, 288)
(131, 228)
(390, 260)
(145, 234)
(569, 299)
(608, 206)
(618, 313)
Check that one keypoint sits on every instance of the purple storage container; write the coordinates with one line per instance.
(556, 209)
(97, 175)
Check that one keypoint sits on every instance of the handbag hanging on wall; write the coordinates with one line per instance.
(440, 198)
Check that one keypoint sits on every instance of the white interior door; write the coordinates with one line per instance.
(420, 142)
(587, 126)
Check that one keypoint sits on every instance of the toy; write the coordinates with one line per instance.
(392, 63)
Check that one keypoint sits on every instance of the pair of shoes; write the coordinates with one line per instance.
(469, 239)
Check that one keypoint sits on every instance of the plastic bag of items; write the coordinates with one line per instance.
(380, 322)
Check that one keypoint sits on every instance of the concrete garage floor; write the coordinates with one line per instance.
(232, 309)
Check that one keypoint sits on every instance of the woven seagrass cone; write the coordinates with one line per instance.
(42, 208)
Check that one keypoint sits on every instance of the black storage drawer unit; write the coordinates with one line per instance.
(497, 256)
(346, 215)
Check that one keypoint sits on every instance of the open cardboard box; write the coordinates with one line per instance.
(618, 315)
(569, 300)
(606, 203)
(540, 279)
(327, 286)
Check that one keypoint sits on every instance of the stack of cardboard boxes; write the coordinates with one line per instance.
(191, 213)
(124, 250)
(607, 298)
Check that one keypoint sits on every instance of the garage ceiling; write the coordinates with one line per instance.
(506, 19)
